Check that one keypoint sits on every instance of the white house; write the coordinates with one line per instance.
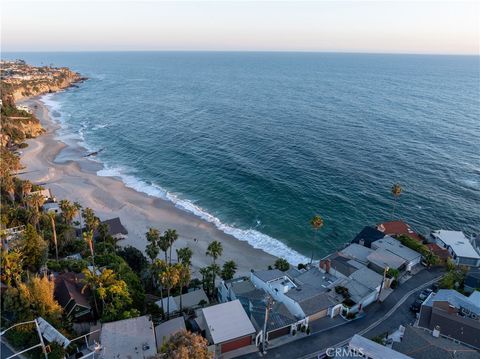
(459, 246)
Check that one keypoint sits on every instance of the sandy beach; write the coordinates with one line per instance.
(64, 170)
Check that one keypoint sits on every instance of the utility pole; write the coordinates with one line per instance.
(41, 339)
(385, 270)
(268, 306)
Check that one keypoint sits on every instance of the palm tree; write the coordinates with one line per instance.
(69, 210)
(153, 237)
(157, 268)
(88, 237)
(214, 250)
(52, 217)
(183, 279)
(171, 236)
(10, 188)
(396, 191)
(26, 189)
(91, 221)
(184, 255)
(316, 222)
(35, 201)
(169, 279)
(164, 244)
(91, 280)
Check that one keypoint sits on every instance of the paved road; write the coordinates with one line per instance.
(307, 346)
(6, 352)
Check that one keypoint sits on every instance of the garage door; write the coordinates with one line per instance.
(318, 315)
(237, 343)
(278, 332)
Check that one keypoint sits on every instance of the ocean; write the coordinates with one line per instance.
(258, 143)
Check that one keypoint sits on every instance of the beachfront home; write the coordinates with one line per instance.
(190, 300)
(69, 294)
(459, 246)
(165, 330)
(306, 296)
(52, 207)
(46, 194)
(227, 327)
(381, 259)
(390, 244)
(398, 228)
(115, 229)
(452, 314)
(357, 252)
(367, 236)
(128, 338)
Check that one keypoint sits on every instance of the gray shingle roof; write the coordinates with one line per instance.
(420, 344)
(268, 275)
(453, 297)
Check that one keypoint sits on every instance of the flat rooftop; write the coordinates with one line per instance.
(128, 339)
(458, 242)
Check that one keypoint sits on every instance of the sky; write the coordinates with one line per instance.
(333, 26)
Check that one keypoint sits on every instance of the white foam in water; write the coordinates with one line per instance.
(255, 238)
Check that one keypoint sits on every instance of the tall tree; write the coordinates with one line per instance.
(153, 238)
(185, 345)
(52, 217)
(35, 201)
(157, 269)
(88, 238)
(396, 192)
(171, 236)
(26, 189)
(214, 250)
(184, 277)
(228, 270)
(11, 267)
(91, 220)
(169, 279)
(164, 244)
(33, 248)
(69, 211)
(184, 255)
(316, 222)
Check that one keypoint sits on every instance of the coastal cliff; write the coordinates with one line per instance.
(20, 81)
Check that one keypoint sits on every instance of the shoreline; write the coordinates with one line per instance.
(50, 162)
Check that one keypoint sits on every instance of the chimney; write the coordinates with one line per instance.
(327, 266)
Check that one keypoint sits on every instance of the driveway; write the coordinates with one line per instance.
(373, 322)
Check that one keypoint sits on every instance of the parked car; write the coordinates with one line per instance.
(435, 287)
(424, 294)
(415, 307)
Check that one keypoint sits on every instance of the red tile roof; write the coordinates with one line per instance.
(396, 228)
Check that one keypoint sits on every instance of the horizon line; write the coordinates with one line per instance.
(251, 51)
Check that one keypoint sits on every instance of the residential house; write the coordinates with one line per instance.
(357, 252)
(306, 297)
(165, 330)
(382, 259)
(128, 339)
(367, 236)
(115, 229)
(228, 327)
(361, 347)
(419, 343)
(453, 315)
(69, 294)
(243, 290)
(46, 193)
(459, 246)
(412, 258)
(52, 207)
(398, 228)
(280, 321)
(191, 300)
(472, 280)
